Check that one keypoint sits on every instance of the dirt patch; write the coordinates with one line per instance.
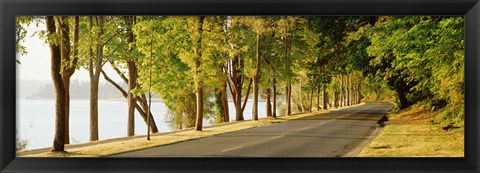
(412, 116)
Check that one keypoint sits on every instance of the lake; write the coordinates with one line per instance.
(36, 119)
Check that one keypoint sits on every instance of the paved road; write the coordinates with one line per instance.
(325, 135)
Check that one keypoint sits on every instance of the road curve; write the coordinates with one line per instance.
(330, 134)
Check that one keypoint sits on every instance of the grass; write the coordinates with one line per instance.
(408, 134)
(121, 145)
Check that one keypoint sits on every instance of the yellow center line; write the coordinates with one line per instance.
(230, 149)
(275, 137)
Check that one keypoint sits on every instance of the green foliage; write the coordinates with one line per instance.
(424, 52)
(20, 144)
(376, 89)
(407, 59)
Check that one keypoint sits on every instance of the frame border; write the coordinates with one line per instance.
(470, 9)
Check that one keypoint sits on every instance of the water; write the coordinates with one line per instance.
(36, 120)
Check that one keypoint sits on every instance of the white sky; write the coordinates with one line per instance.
(35, 65)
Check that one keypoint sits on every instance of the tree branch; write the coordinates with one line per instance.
(231, 91)
(124, 93)
(248, 93)
(125, 79)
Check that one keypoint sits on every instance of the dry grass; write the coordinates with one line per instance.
(408, 135)
(121, 145)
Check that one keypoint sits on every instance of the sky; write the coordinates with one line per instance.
(35, 65)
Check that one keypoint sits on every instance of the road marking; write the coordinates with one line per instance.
(275, 137)
(230, 149)
(304, 128)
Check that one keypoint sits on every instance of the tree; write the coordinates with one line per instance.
(94, 68)
(132, 76)
(123, 55)
(286, 27)
(239, 39)
(257, 25)
(198, 82)
(69, 65)
(171, 78)
(55, 53)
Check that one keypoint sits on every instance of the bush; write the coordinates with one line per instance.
(21, 144)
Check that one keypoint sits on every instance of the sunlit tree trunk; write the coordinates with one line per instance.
(94, 73)
(347, 89)
(238, 83)
(325, 99)
(288, 87)
(59, 137)
(132, 77)
(256, 80)
(225, 113)
(236, 87)
(318, 97)
(302, 108)
(199, 83)
(221, 104)
(311, 100)
(66, 72)
(341, 91)
(274, 96)
(268, 105)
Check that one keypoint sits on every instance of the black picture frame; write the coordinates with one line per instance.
(10, 8)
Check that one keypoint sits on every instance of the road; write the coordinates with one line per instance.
(330, 134)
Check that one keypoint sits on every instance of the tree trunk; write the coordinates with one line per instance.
(344, 89)
(143, 101)
(274, 96)
(66, 84)
(301, 94)
(341, 90)
(347, 89)
(132, 76)
(245, 99)
(199, 119)
(59, 139)
(325, 100)
(400, 90)
(220, 110)
(256, 79)
(318, 98)
(289, 99)
(199, 85)
(268, 105)
(236, 85)
(311, 100)
(288, 92)
(335, 99)
(239, 88)
(93, 110)
(238, 104)
(94, 79)
(360, 96)
(66, 66)
(141, 104)
(352, 92)
(225, 113)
